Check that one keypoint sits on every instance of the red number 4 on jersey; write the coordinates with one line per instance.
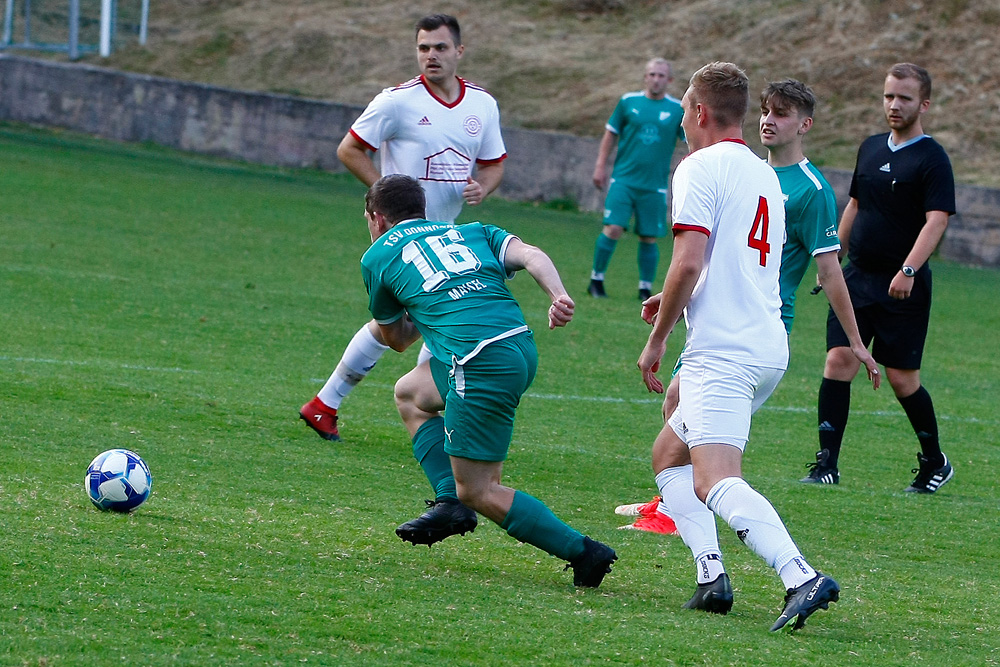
(757, 239)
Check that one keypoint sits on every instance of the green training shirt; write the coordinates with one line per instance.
(648, 131)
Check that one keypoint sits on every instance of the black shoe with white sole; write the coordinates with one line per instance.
(930, 479)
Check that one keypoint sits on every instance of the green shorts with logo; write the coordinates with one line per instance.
(648, 206)
(482, 396)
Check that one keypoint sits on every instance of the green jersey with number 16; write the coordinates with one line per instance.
(451, 282)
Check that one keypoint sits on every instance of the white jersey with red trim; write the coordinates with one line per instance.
(728, 193)
(421, 136)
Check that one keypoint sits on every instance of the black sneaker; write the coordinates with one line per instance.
(590, 567)
(644, 293)
(596, 289)
(444, 517)
(817, 593)
(715, 597)
(929, 480)
(821, 472)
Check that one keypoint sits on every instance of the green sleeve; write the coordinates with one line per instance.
(822, 209)
(382, 304)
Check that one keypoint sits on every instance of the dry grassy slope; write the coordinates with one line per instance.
(561, 64)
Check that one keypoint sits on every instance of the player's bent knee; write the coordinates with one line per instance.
(407, 395)
(703, 485)
(903, 382)
(613, 232)
(403, 391)
(841, 364)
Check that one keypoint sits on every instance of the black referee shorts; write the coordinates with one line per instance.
(896, 330)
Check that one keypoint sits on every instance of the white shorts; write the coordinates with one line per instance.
(717, 399)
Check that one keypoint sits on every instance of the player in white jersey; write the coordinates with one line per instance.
(434, 141)
(436, 128)
(786, 115)
(731, 309)
(728, 221)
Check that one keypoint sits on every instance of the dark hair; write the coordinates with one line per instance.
(435, 21)
(911, 71)
(398, 197)
(789, 94)
(725, 89)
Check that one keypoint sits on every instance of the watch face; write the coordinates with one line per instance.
(908, 271)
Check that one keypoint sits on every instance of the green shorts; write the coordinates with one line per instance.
(649, 207)
(482, 396)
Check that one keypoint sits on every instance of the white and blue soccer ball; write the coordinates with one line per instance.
(118, 480)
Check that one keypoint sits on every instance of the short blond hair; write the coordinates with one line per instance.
(725, 89)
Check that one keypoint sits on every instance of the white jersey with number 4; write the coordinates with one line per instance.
(435, 142)
(728, 193)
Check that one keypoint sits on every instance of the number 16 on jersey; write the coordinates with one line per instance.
(452, 257)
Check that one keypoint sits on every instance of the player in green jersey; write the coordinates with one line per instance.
(645, 127)
(786, 115)
(447, 283)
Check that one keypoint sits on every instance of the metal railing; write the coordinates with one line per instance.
(42, 24)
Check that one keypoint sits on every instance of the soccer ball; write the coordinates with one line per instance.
(118, 480)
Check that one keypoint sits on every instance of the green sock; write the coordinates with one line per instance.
(529, 520)
(603, 249)
(649, 258)
(428, 449)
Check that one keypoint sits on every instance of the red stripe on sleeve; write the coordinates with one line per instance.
(358, 137)
(493, 161)
(691, 228)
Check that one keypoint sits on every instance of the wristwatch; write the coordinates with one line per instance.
(908, 271)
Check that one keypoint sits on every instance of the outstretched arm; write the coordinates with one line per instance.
(532, 259)
(831, 277)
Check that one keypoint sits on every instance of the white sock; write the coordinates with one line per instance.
(424, 355)
(694, 521)
(361, 355)
(796, 572)
(758, 525)
(709, 567)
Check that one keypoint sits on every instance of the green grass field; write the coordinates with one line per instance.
(185, 308)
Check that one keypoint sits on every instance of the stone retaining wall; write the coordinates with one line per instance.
(293, 132)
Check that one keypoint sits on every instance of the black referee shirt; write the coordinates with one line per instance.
(895, 189)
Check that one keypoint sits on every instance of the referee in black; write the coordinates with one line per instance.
(901, 196)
